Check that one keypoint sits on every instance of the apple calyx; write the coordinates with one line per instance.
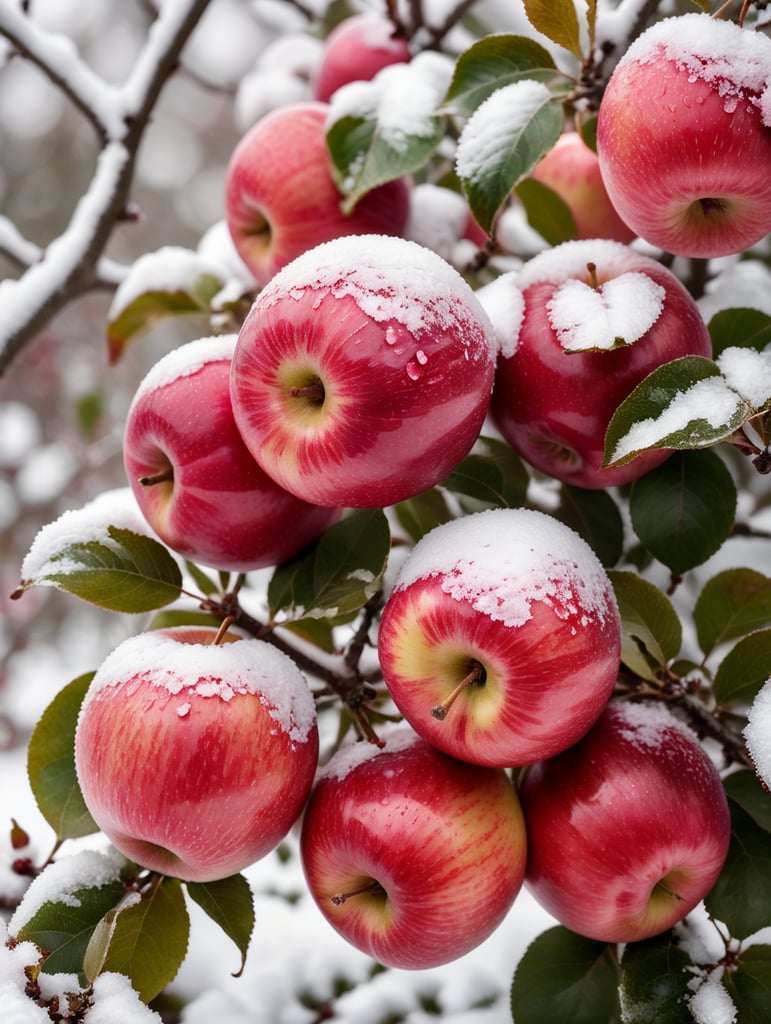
(372, 887)
(476, 676)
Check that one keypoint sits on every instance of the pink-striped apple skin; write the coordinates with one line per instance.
(217, 507)
(682, 138)
(629, 829)
(572, 170)
(399, 357)
(355, 50)
(518, 595)
(438, 846)
(552, 406)
(194, 758)
(280, 196)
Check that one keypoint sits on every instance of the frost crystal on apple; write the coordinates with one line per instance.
(503, 560)
(757, 733)
(618, 312)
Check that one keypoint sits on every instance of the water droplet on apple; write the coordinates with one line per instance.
(414, 370)
(183, 709)
(390, 335)
(730, 104)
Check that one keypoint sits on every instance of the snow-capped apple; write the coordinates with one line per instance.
(572, 170)
(684, 136)
(591, 319)
(355, 50)
(500, 641)
(281, 199)
(195, 753)
(362, 373)
(627, 830)
(192, 475)
(412, 856)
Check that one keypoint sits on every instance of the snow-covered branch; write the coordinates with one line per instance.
(72, 264)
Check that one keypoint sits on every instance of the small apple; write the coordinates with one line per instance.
(500, 642)
(196, 755)
(628, 830)
(355, 50)
(413, 857)
(684, 136)
(192, 475)
(281, 199)
(596, 317)
(362, 374)
(572, 170)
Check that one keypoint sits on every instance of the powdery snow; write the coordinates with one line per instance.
(496, 124)
(711, 1003)
(571, 259)
(505, 305)
(186, 360)
(396, 737)
(748, 372)
(170, 269)
(501, 561)
(757, 733)
(735, 61)
(213, 670)
(389, 278)
(618, 312)
(648, 726)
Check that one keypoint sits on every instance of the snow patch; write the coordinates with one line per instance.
(757, 733)
(618, 312)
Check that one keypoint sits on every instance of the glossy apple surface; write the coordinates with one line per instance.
(195, 758)
(553, 402)
(355, 50)
(194, 478)
(684, 136)
(572, 170)
(628, 830)
(280, 197)
(363, 372)
(500, 641)
(412, 856)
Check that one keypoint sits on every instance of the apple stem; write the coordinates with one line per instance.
(225, 625)
(476, 676)
(314, 391)
(164, 476)
(592, 268)
(668, 891)
(372, 886)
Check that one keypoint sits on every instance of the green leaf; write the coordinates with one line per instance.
(229, 902)
(502, 142)
(745, 789)
(596, 517)
(51, 764)
(558, 21)
(684, 404)
(744, 670)
(731, 604)
(743, 327)
(565, 978)
(203, 581)
(422, 513)
(491, 63)
(749, 985)
(494, 476)
(741, 897)
(683, 511)
(339, 574)
(145, 939)
(126, 572)
(366, 148)
(547, 213)
(655, 982)
(651, 633)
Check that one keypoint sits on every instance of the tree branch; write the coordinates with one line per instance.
(71, 264)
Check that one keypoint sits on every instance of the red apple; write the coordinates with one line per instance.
(628, 830)
(684, 136)
(355, 50)
(196, 757)
(596, 318)
(194, 478)
(281, 199)
(500, 642)
(363, 372)
(572, 170)
(412, 856)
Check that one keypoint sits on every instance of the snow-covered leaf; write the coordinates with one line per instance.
(491, 63)
(51, 764)
(654, 983)
(502, 142)
(742, 326)
(388, 127)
